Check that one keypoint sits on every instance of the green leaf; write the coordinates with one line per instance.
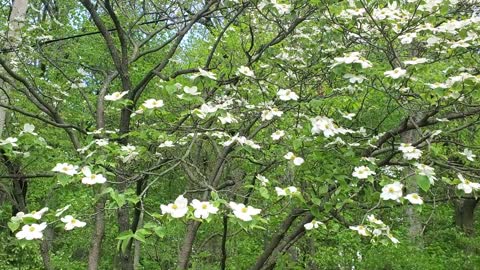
(423, 182)
(125, 235)
(139, 236)
(118, 198)
(64, 179)
(264, 193)
(160, 232)
(214, 195)
(316, 201)
(13, 226)
(29, 220)
(107, 190)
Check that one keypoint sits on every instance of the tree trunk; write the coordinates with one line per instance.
(96, 243)
(276, 239)
(186, 249)
(137, 244)
(45, 246)
(124, 259)
(17, 16)
(415, 228)
(464, 215)
(19, 184)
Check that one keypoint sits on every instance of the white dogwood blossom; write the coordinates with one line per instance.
(414, 198)
(352, 78)
(92, 178)
(153, 103)
(350, 58)
(426, 171)
(466, 185)
(243, 212)
(277, 135)
(204, 73)
(468, 154)
(296, 160)
(115, 96)
(415, 61)
(362, 230)
(287, 94)
(409, 151)
(270, 113)
(362, 172)
(325, 125)
(263, 180)
(177, 209)
(392, 191)
(191, 90)
(227, 119)
(10, 140)
(28, 129)
(34, 214)
(65, 168)
(396, 73)
(242, 140)
(72, 223)
(312, 225)
(288, 191)
(203, 209)
(32, 231)
(246, 71)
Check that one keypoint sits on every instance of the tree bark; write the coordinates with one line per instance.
(465, 215)
(223, 262)
(19, 184)
(137, 245)
(45, 246)
(415, 228)
(186, 250)
(276, 239)
(17, 16)
(286, 243)
(98, 234)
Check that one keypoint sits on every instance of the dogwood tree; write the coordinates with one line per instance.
(205, 125)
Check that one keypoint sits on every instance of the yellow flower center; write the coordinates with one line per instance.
(174, 206)
(32, 229)
(391, 190)
(244, 210)
(204, 206)
(73, 221)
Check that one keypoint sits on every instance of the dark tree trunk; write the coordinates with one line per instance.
(19, 185)
(186, 249)
(96, 242)
(465, 215)
(125, 259)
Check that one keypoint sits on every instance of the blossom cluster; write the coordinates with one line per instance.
(394, 192)
(34, 230)
(325, 125)
(203, 209)
(71, 170)
(374, 228)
